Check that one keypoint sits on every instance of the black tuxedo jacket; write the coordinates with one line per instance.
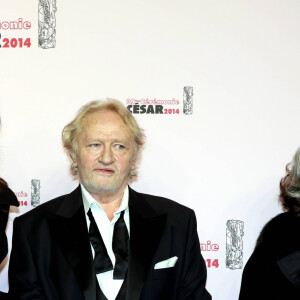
(51, 255)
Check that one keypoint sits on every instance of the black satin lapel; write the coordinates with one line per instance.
(145, 234)
(71, 235)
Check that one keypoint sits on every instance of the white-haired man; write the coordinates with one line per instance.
(104, 240)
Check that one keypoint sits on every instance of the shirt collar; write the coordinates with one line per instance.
(88, 200)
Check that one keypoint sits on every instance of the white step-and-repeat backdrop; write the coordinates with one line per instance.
(215, 85)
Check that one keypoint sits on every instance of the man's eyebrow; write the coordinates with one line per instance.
(120, 141)
(113, 140)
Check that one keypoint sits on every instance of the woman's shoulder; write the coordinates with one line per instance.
(280, 233)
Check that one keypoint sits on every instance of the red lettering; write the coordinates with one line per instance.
(20, 24)
(215, 247)
(5, 25)
(208, 246)
(27, 25)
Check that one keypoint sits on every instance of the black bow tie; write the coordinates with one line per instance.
(119, 245)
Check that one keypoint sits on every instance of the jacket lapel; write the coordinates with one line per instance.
(146, 228)
(69, 229)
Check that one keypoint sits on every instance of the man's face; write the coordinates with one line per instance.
(105, 152)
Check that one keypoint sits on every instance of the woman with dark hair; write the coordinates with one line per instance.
(7, 198)
(273, 270)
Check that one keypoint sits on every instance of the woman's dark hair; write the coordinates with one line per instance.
(3, 185)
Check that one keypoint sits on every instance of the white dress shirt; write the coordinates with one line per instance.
(109, 286)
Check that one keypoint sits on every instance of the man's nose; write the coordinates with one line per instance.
(106, 156)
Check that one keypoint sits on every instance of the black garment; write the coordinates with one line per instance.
(273, 270)
(3, 238)
(7, 198)
(120, 246)
(51, 254)
(4, 296)
(102, 261)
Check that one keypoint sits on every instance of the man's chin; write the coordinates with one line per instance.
(102, 188)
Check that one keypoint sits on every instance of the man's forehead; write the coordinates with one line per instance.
(94, 116)
(106, 120)
(100, 117)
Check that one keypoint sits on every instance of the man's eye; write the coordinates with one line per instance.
(119, 147)
(94, 146)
